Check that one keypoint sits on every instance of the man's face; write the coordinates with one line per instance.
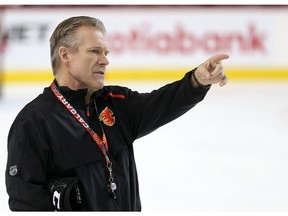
(87, 65)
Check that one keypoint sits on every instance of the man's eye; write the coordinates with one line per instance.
(95, 51)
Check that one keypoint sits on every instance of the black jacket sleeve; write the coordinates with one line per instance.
(149, 111)
(26, 168)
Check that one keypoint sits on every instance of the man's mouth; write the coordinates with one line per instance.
(100, 72)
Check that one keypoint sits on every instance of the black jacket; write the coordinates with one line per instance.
(46, 140)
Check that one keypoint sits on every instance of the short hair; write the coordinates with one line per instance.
(64, 35)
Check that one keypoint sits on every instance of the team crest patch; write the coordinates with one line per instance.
(13, 170)
(106, 116)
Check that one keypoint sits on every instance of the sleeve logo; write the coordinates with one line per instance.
(13, 170)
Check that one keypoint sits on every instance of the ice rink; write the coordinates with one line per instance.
(229, 153)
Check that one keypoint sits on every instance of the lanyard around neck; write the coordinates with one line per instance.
(101, 143)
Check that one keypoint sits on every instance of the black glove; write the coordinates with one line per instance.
(66, 194)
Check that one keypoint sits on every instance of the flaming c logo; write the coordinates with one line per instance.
(106, 116)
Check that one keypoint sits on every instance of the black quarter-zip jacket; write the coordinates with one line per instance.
(46, 140)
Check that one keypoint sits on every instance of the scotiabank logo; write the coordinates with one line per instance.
(184, 41)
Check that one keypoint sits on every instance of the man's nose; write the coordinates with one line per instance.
(104, 60)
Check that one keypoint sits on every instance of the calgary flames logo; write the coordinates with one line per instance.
(106, 116)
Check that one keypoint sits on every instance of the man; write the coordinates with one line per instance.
(71, 148)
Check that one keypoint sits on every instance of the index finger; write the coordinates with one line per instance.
(217, 58)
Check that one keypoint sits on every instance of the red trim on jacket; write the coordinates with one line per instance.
(110, 94)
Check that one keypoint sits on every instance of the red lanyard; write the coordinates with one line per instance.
(102, 143)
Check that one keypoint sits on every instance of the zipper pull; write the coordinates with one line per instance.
(88, 110)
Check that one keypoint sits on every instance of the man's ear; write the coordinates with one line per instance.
(63, 53)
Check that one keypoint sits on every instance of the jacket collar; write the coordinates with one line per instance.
(78, 94)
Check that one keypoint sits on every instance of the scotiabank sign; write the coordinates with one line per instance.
(167, 37)
(183, 41)
(141, 40)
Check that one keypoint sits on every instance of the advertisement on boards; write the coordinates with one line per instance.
(146, 42)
